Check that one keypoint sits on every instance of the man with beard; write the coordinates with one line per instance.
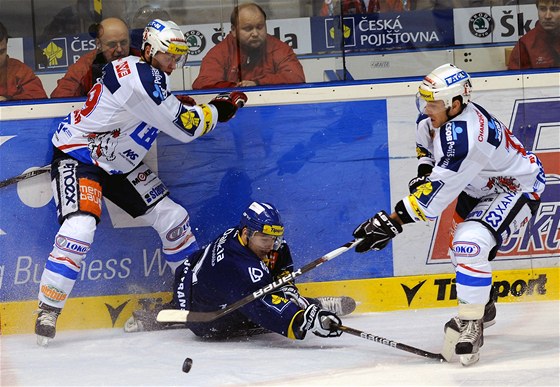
(248, 55)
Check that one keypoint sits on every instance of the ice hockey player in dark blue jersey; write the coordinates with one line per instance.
(240, 261)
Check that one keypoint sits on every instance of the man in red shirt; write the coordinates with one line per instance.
(112, 41)
(248, 56)
(17, 80)
(540, 47)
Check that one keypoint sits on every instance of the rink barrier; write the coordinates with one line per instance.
(372, 295)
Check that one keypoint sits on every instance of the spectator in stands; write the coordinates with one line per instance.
(248, 55)
(112, 41)
(17, 80)
(350, 7)
(540, 47)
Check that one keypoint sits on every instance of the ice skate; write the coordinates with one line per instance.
(470, 340)
(341, 306)
(45, 326)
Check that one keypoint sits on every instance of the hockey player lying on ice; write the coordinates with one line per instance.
(242, 260)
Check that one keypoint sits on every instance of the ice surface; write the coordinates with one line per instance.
(522, 349)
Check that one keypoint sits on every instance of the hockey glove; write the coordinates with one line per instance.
(228, 103)
(186, 100)
(292, 294)
(413, 184)
(377, 232)
(321, 322)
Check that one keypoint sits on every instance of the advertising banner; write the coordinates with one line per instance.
(382, 31)
(493, 24)
(324, 165)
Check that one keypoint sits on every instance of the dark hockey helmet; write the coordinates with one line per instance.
(264, 218)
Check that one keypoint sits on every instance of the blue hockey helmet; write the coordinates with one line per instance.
(264, 218)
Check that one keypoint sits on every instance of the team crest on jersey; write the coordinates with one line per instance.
(103, 144)
(426, 192)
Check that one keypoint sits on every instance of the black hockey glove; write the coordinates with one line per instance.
(291, 293)
(413, 184)
(228, 103)
(321, 322)
(377, 232)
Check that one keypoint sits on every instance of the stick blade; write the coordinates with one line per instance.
(172, 316)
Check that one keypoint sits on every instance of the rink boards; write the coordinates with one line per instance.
(327, 157)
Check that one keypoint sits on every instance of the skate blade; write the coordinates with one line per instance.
(43, 341)
(449, 341)
(470, 359)
(488, 324)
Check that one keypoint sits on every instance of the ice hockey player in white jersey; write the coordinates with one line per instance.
(98, 152)
(466, 153)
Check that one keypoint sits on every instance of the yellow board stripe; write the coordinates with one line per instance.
(371, 295)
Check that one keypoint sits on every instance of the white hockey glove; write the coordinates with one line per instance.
(321, 322)
(377, 232)
(228, 103)
(292, 294)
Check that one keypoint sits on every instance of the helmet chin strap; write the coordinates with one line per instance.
(450, 117)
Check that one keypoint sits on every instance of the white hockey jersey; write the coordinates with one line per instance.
(475, 153)
(123, 114)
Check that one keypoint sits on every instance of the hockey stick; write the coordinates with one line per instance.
(176, 315)
(391, 343)
(16, 179)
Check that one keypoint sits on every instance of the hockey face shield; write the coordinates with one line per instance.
(270, 238)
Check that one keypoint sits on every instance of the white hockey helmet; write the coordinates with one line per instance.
(166, 37)
(445, 83)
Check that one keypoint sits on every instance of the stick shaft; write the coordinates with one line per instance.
(24, 176)
(172, 315)
(391, 343)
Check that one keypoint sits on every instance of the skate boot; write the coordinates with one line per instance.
(341, 306)
(45, 326)
(471, 338)
(489, 317)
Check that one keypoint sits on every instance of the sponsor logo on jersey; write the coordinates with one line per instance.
(122, 69)
(69, 185)
(71, 245)
(141, 176)
(178, 232)
(90, 196)
(466, 249)
(155, 193)
(454, 143)
(52, 293)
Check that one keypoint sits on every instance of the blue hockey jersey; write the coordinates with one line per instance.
(226, 271)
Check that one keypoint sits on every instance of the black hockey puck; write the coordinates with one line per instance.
(187, 364)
